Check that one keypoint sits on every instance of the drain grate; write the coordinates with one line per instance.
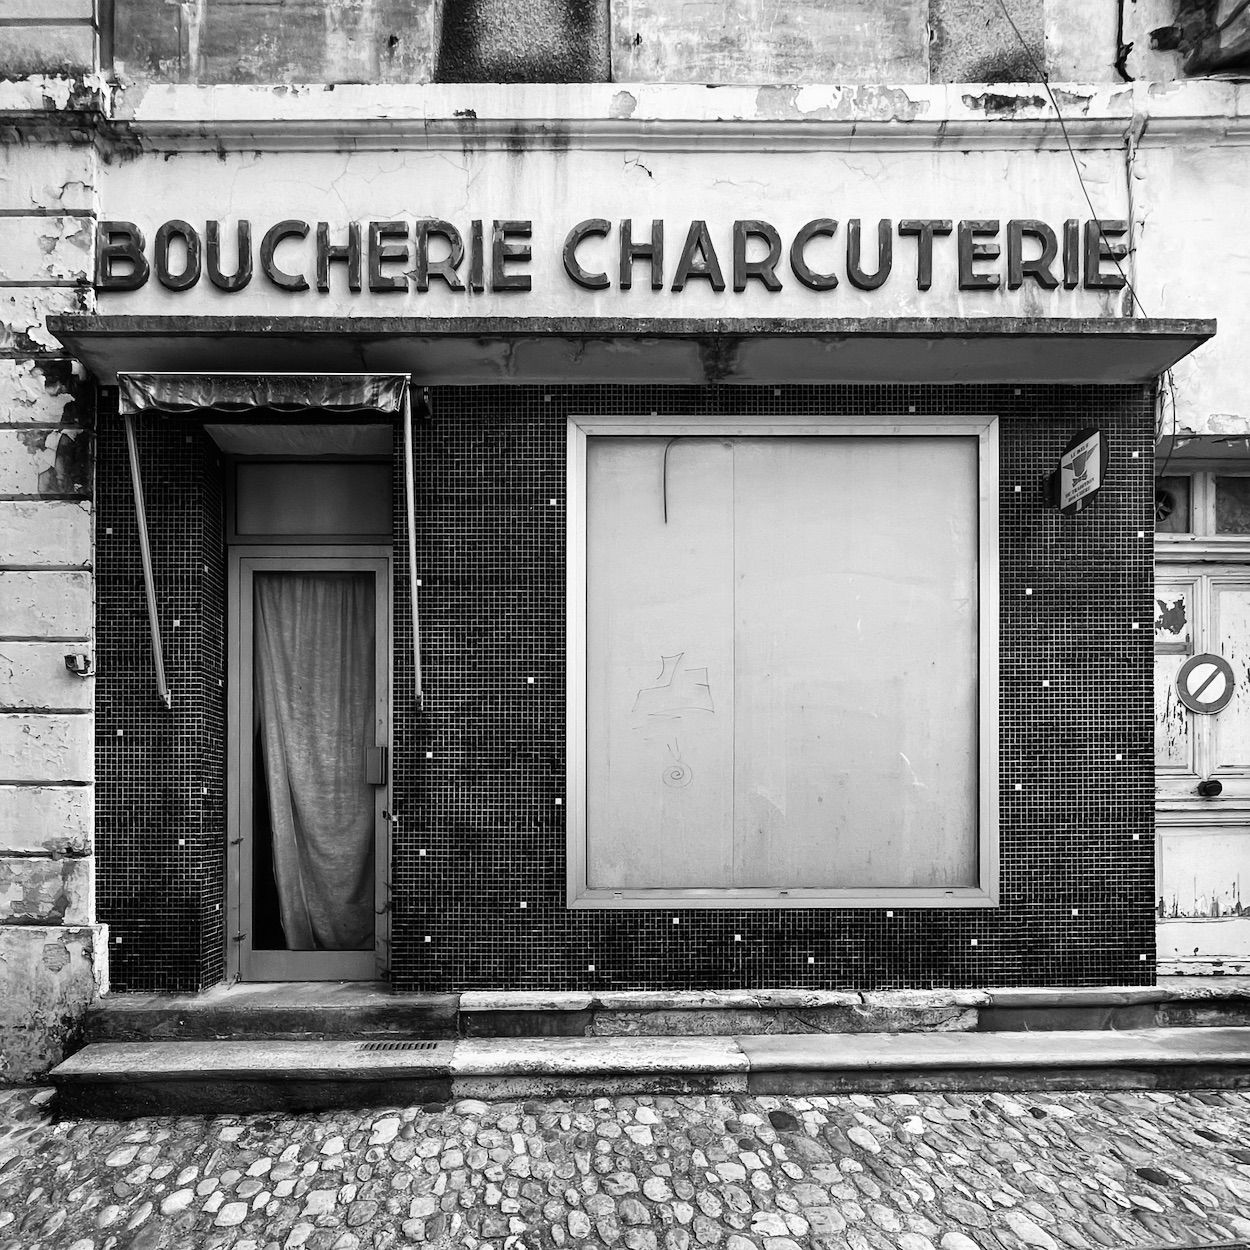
(374, 1046)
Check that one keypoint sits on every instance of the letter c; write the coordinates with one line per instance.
(596, 227)
(821, 227)
(292, 229)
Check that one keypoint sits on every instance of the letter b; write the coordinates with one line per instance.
(119, 241)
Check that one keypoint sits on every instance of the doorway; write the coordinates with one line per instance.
(1202, 759)
(309, 717)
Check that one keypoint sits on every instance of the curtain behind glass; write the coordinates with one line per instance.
(315, 698)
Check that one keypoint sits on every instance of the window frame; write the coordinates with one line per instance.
(1201, 542)
(985, 893)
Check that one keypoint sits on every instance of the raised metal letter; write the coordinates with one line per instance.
(972, 250)
(212, 260)
(924, 230)
(328, 252)
(190, 237)
(502, 251)
(764, 270)
(819, 228)
(426, 269)
(381, 251)
(885, 255)
(1098, 247)
(593, 227)
(631, 251)
(114, 241)
(289, 229)
(1039, 267)
(698, 259)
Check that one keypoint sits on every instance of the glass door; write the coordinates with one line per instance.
(310, 715)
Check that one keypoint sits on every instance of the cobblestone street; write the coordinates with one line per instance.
(956, 1171)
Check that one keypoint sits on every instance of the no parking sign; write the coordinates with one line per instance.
(1205, 683)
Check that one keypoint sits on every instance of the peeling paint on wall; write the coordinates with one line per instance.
(51, 975)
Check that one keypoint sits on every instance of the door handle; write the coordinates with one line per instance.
(376, 765)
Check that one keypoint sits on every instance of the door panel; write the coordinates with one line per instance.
(1231, 727)
(1177, 609)
(1174, 747)
(310, 695)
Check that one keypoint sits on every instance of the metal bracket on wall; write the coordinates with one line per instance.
(145, 551)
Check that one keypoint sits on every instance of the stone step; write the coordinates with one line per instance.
(316, 1010)
(139, 1078)
(259, 1011)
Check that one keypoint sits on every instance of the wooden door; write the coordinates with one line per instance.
(1203, 842)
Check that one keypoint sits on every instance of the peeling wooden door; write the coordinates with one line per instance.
(1203, 855)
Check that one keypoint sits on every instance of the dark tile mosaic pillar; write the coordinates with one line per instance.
(479, 773)
(160, 773)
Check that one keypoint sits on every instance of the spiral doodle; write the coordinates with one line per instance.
(677, 775)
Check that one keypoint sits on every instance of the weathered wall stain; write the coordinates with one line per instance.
(772, 41)
(998, 105)
(267, 41)
(540, 41)
(71, 471)
(973, 42)
(51, 976)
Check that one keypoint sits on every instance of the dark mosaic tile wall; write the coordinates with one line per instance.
(480, 771)
(160, 825)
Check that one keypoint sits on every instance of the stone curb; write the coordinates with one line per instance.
(793, 999)
(588, 1056)
(122, 1079)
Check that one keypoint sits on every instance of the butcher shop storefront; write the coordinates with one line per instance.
(534, 574)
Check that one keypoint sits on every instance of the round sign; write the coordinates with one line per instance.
(1205, 683)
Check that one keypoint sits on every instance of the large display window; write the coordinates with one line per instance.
(782, 642)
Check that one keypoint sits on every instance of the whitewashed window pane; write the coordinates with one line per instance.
(659, 670)
(782, 683)
(1173, 505)
(1232, 505)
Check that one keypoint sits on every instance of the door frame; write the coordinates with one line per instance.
(242, 962)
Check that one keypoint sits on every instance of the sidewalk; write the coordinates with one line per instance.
(1051, 1171)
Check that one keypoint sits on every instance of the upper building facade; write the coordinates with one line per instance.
(558, 495)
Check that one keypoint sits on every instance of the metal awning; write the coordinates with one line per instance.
(237, 394)
(470, 351)
(242, 395)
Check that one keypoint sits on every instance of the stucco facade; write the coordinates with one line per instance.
(341, 132)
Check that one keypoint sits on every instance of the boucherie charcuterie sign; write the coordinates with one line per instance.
(598, 254)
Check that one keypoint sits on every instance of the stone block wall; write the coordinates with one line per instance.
(49, 37)
(51, 949)
(632, 41)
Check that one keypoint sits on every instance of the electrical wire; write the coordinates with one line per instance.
(1168, 385)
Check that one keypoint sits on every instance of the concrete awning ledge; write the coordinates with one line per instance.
(464, 351)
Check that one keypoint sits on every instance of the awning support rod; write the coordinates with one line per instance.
(410, 506)
(145, 550)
